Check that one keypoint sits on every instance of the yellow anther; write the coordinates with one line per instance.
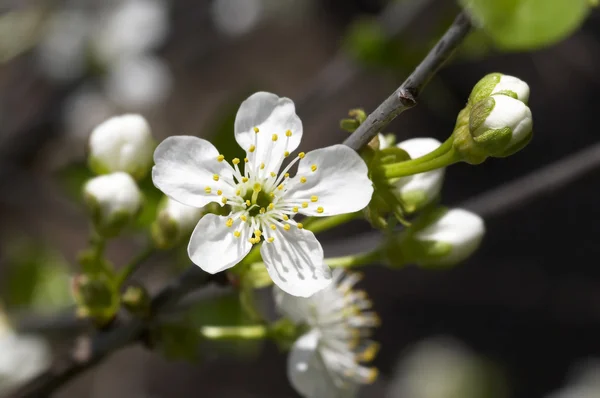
(244, 218)
(304, 205)
(252, 148)
(236, 234)
(319, 210)
(295, 209)
(248, 202)
(274, 137)
(273, 227)
(313, 167)
(251, 240)
(302, 180)
(262, 166)
(301, 155)
(245, 160)
(272, 194)
(229, 222)
(256, 130)
(235, 161)
(314, 198)
(219, 192)
(286, 175)
(271, 206)
(271, 239)
(285, 217)
(257, 233)
(280, 187)
(257, 187)
(244, 179)
(273, 174)
(220, 158)
(286, 227)
(224, 200)
(288, 133)
(238, 192)
(207, 190)
(373, 373)
(262, 210)
(299, 225)
(216, 177)
(286, 154)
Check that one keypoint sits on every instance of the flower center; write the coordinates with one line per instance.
(259, 201)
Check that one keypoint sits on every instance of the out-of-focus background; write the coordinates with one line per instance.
(521, 317)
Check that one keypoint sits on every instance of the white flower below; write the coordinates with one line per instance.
(421, 189)
(114, 200)
(584, 382)
(122, 143)
(329, 359)
(513, 84)
(263, 199)
(174, 221)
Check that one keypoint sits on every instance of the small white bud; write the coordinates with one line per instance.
(508, 84)
(458, 232)
(122, 143)
(174, 221)
(114, 200)
(420, 189)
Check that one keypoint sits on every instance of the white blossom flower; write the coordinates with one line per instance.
(263, 200)
(21, 357)
(122, 143)
(420, 189)
(113, 200)
(513, 84)
(329, 360)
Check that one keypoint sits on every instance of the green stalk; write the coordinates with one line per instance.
(354, 260)
(250, 332)
(408, 168)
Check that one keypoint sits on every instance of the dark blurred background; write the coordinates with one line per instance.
(528, 302)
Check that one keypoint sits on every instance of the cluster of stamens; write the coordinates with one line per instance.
(257, 198)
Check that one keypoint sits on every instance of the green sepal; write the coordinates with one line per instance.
(349, 125)
(494, 141)
(480, 112)
(484, 87)
(136, 300)
(97, 297)
(516, 147)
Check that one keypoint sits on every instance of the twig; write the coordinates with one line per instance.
(89, 351)
(405, 96)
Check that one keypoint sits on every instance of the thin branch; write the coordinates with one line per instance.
(89, 351)
(405, 96)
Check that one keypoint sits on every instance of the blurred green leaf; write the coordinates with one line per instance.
(37, 278)
(527, 24)
(72, 177)
(152, 197)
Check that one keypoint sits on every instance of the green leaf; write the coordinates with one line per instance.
(527, 24)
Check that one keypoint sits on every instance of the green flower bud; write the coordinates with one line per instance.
(174, 222)
(113, 200)
(96, 297)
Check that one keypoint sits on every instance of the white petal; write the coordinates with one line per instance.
(307, 372)
(185, 166)
(214, 248)
(340, 182)
(294, 260)
(298, 309)
(271, 115)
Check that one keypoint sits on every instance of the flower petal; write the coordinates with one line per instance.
(307, 372)
(336, 177)
(297, 309)
(271, 115)
(186, 166)
(294, 260)
(214, 248)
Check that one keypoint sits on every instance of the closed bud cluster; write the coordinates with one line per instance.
(113, 200)
(96, 297)
(174, 222)
(122, 143)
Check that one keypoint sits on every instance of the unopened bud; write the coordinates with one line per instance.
(497, 83)
(174, 222)
(96, 297)
(114, 200)
(122, 143)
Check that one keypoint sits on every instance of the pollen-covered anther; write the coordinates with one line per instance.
(220, 158)
(273, 227)
(301, 155)
(273, 174)
(302, 180)
(216, 177)
(274, 137)
(244, 218)
(245, 160)
(295, 209)
(286, 227)
(313, 167)
(280, 187)
(271, 239)
(235, 161)
(238, 192)
(248, 202)
(285, 217)
(257, 233)
(287, 175)
(262, 166)
(299, 225)
(256, 130)
(219, 192)
(252, 148)
(262, 210)
(244, 179)
(224, 200)
(271, 206)
(314, 198)
(236, 234)
(229, 222)
(288, 133)
(304, 205)
(286, 154)
(373, 373)
(320, 210)
(207, 190)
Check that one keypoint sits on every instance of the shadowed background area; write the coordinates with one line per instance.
(527, 304)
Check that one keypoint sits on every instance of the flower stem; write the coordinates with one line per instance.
(354, 260)
(320, 224)
(250, 332)
(134, 264)
(416, 166)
